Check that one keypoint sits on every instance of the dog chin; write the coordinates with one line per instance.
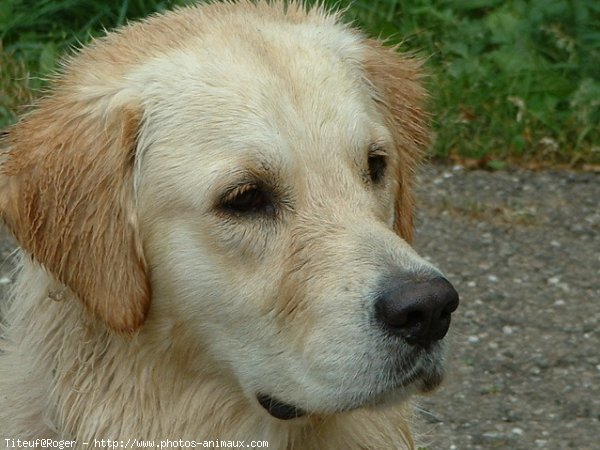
(430, 381)
(423, 381)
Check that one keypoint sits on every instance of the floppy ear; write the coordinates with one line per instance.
(66, 193)
(396, 80)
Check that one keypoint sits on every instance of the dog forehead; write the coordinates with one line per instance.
(262, 84)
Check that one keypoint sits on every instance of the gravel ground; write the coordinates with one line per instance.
(523, 250)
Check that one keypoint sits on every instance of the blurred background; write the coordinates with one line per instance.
(515, 80)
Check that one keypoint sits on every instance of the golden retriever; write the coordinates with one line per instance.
(215, 209)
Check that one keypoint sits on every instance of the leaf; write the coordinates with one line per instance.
(504, 27)
(497, 164)
(48, 57)
(457, 48)
(475, 4)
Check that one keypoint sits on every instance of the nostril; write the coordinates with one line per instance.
(403, 318)
(451, 298)
(414, 318)
(398, 315)
(449, 309)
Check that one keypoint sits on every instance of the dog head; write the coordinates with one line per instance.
(258, 183)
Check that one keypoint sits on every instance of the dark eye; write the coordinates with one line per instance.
(248, 199)
(377, 165)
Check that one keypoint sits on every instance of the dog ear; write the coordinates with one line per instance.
(398, 92)
(66, 193)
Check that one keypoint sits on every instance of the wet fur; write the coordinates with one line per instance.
(88, 351)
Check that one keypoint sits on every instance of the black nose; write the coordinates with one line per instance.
(417, 311)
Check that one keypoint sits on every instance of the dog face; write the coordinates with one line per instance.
(258, 184)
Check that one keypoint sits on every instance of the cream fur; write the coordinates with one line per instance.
(141, 309)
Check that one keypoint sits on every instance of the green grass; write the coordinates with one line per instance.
(515, 80)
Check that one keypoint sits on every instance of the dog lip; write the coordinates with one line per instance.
(279, 409)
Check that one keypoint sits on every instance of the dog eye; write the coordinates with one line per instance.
(377, 165)
(248, 199)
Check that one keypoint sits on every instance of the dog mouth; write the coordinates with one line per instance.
(417, 378)
(278, 409)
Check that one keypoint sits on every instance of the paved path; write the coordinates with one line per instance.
(523, 249)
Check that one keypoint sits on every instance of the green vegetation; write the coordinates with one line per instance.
(515, 80)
